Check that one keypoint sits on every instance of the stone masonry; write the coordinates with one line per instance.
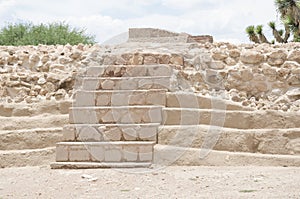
(160, 98)
(115, 117)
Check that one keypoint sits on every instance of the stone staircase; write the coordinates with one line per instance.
(212, 132)
(28, 132)
(126, 116)
(115, 117)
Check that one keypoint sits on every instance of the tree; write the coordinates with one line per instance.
(289, 11)
(48, 34)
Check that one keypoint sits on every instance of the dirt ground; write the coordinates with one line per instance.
(169, 182)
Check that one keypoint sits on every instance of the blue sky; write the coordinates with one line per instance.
(226, 20)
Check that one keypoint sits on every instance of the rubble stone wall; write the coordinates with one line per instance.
(261, 76)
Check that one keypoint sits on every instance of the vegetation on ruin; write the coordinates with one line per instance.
(49, 34)
(289, 11)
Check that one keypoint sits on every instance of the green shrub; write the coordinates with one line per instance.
(48, 34)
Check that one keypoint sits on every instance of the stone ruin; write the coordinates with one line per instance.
(161, 98)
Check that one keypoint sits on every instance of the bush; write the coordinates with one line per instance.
(48, 34)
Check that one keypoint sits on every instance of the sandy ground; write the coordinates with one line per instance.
(169, 182)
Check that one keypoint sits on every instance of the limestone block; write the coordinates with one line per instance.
(291, 65)
(147, 133)
(88, 133)
(294, 146)
(128, 84)
(136, 99)
(159, 71)
(218, 54)
(156, 98)
(107, 85)
(177, 59)
(113, 134)
(261, 86)
(246, 75)
(283, 73)
(294, 80)
(277, 58)
(148, 60)
(230, 61)
(64, 106)
(135, 71)
(217, 65)
(252, 57)
(119, 99)
(163, 59)
(296, 71)
(97, 153)
(145, 153)
(294, 56)
(79, 153)
(62, 153)
(137, 59)
(234, 53)
(69, 133)
(102, 99)
(130, 134)
(113, 153)
(130, 153)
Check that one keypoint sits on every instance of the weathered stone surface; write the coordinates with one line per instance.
(252, 57)
(277, 58)
(126, 83)
(110, 115)
(294, 56)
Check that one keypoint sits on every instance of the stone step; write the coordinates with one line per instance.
(192, 100)
(104, 152)
(116, 115)
(30, 138)
(28, 157)
(181, 156)
(38, 108)
(231, 119)
(120, 98)
(110, 132)
(266, 141)
(128, 70)
(40, 121)
(126, 83)
(97, 165)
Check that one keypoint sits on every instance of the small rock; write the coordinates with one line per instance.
(41, 81)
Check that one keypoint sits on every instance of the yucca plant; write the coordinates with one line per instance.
(250, 30)
(276, 33)
(261, 36)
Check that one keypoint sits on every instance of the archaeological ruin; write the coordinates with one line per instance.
(161, 98)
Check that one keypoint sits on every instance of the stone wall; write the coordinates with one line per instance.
(260, 76)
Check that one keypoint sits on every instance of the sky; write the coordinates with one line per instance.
(225, 20)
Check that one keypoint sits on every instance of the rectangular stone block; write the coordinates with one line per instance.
(111, 132)
(113, 154)
(126, 83)
(68, 133)
(97, 153)
(120, 98)
(62, 153)
(119, 115)
(129, 71)
(130, 153)
(145, 153)
(79, 153)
